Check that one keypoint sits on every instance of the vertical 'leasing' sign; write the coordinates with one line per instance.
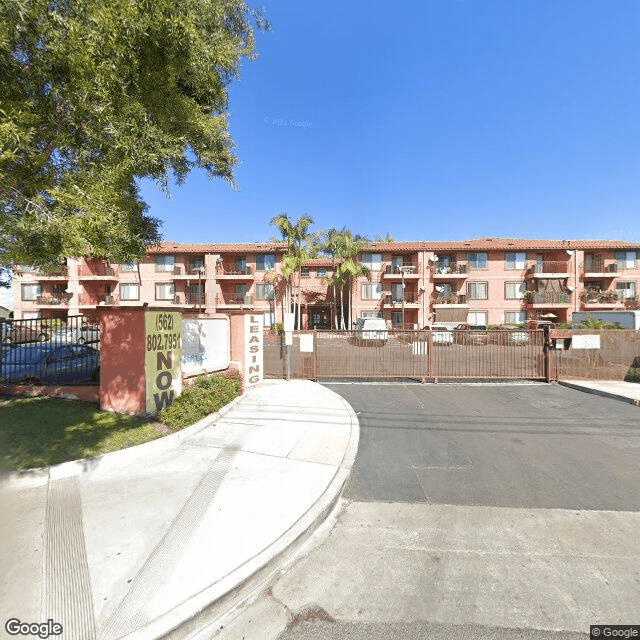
(253, 349)
(162, 360)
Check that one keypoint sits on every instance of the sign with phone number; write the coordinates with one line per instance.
(163, 348)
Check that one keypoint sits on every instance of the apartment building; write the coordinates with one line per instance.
(484, 281)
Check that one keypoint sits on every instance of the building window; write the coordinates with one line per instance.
(371, 290)
(129, 291)
(322, 272)
(626, 290)
(31, 292)
(477, 318)
(477, 290)
(515, 317)
(514, 290)
(265, 292)
(127, 267)
(265, 262)
(165, 291)
(396, 317)
(477, 260)
(165, 263)
(304, 272)
(397, 293)
(625, 259)
(372, 261)
(516, 260)
(371, 314)
(269, 318)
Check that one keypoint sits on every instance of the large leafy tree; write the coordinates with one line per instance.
(95, 95)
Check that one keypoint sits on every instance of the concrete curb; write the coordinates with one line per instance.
(599, 392)
(41, 475)
(189, 619)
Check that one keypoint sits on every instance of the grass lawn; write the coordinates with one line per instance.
(38, 432)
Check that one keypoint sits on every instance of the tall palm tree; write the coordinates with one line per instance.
(300, 246)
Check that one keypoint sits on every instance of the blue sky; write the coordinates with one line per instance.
(431, 120)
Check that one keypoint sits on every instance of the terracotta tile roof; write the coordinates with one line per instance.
(318, 262)
(246, 247)
(475, 244)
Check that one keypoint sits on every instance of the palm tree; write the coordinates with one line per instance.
(300, 246)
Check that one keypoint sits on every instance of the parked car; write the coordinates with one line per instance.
(517, 338)
(371, 331)
(50, 364)
(441, 335)
(85, 334)
(475, 334)
(15, 332)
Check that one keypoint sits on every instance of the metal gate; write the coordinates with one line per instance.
(415, 355)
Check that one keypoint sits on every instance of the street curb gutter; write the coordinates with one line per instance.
(203, 611)
(599, 392)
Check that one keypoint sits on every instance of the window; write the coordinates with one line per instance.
(241, 291)
(396, 263)
(396, 317)
(265, 262)
(371, 314)
(516, 260)
(477, 318)
(165, 263)
(626, 290)
(241, 265)
(625, 259)
(322, 272)
(372, 261)
(269, 318)
(265, 292)
(304, 272)
(397, 292)
(477, 260)
(477, 291)
(129, 291)
(127, 267)
(31, 292)
(514, 290)
(515, 317)
(371, 290)
(165, 291)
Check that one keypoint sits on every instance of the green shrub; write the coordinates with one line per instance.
(208, 394)
(278, 327)
(633, 375)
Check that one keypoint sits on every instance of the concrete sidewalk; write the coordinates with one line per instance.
(162, 539)
(618, 390)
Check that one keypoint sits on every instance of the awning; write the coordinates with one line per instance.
(450, 315)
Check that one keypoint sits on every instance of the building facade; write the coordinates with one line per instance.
(485, 281)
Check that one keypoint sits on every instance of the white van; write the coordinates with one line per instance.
(371, 330)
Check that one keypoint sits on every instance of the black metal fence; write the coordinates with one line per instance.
(49, 351)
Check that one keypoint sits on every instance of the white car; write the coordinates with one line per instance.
(371, 331)
(441, 334)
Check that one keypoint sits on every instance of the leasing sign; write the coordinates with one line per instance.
(163, 349)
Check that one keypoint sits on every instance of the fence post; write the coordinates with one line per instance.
(547, 354)
(315, 354)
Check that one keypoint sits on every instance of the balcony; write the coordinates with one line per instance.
(229, 301)
(596, 299)
(190, 299)
(449, 300)
(55, 300)
(547, 298)
(599, 268)
(87, 300)
(549, 269)
(392, 301)
(231, 272)
(97, 272)
(395, 271)
(449, 273)
(189, 271)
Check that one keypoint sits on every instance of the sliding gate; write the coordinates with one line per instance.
(412, 355)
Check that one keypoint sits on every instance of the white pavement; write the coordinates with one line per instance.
(133, 546)
(616, 389)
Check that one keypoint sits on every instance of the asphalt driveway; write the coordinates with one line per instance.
(507, 445)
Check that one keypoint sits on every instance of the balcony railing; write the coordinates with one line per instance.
(54, 299)
(550, 266)
(599, 265)
(235, 270)
(408, 298)
(547, 297)
(96, 271)
(195, 298)
(449, 298)
(595, 296)
(245, 300)
(452, 269)
(410, 268)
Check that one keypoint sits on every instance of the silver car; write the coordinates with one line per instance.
(86, 334)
